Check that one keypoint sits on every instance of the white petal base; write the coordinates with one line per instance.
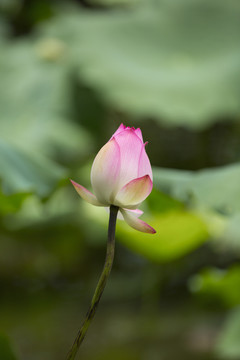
(135, 212)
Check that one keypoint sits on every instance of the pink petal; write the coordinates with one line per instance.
(138, 132)
(136, 223)
(134, 192)
(144, 166)
(135, 212)
(86, 194)
(120, 129)
(130, 149)
(105, 172)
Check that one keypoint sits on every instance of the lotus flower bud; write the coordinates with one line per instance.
(121, 175)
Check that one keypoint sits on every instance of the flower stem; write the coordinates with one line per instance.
(101, 283)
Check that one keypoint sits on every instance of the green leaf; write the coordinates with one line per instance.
(218, 286)
(35, 129)
(178, 233)
(11, 203)
(213, 193)
(228, 345)
(176, 61)
(35, 79)
(60, 205)
(24, 173)
(216, 189)
(159, 202)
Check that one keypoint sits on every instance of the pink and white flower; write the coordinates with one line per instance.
(121, 175)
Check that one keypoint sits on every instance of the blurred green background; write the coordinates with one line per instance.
(70, 73)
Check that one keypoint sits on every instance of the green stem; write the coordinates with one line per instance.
(101, 283)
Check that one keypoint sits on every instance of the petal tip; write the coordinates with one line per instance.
(138, 132)
(74, 183)
(119, 130)
(152, 230)
(86, 194)
(148, 229)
